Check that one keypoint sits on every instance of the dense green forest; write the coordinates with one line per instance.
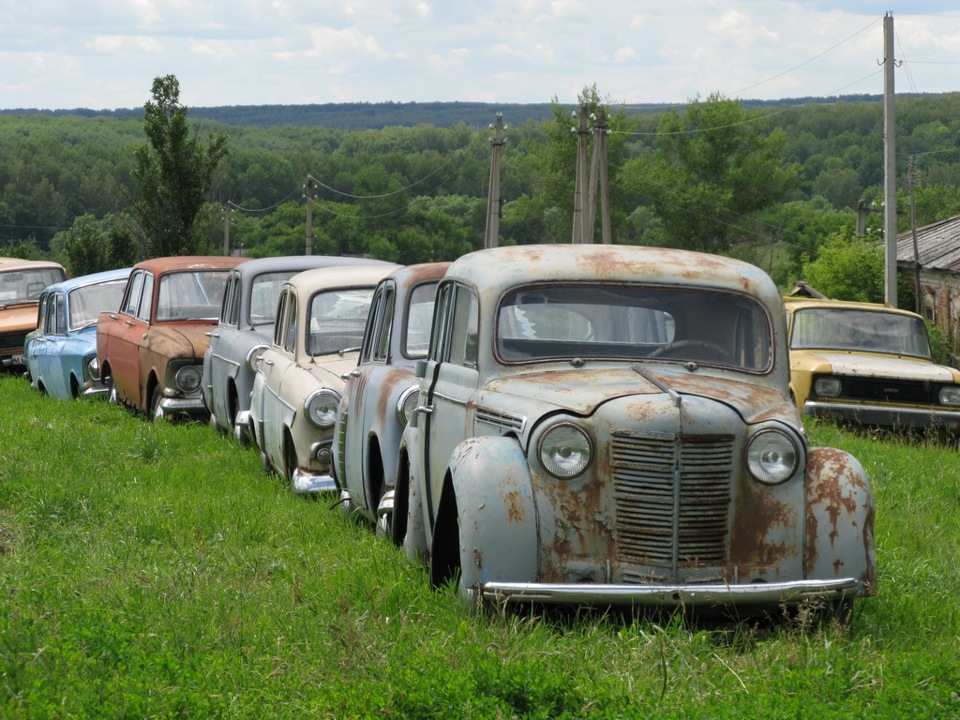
(767, 182)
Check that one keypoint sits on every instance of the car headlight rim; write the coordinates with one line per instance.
(188, 379)
(251, 360)
(320, 408)
(565, 450)
(773, 456)
(407, 403)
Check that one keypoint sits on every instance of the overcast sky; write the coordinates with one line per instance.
(104, 54)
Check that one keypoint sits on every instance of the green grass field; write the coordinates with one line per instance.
(155, 571)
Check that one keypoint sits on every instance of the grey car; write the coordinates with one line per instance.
(613, 425)
(245, 328)
(381, 392)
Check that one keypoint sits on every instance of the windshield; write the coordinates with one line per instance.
(264, 292)
(337, 319)
(856, 329)
(191, 295)
(632, 323)
(86, 303)
(25, 286)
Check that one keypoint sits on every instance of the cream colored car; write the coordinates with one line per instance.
(321, 315)
(868, 364)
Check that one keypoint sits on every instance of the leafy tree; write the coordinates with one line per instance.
(714, 165)
(174, 172)
(848, 268)
(91, 246)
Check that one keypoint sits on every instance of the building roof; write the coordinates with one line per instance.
(938, 245)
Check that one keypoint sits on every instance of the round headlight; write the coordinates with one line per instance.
(255, 352)
(772, 457)
(93, 367)
(407, 403)
(321, 407)
(565, 450)
(188, 379)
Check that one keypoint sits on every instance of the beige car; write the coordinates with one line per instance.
(321, 315)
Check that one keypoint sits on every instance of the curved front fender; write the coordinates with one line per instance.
(840, 515)
(497, 511)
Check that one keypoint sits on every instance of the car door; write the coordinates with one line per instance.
(222, 367)
(52, 370)
(362, 405)
(451, 379)
(37, 343)
(274, 365)
(132, 324)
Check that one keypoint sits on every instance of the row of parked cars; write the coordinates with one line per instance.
(558, 424)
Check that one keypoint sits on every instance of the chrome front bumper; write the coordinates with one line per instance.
(788, 593)
(884, 416)
(307, 483)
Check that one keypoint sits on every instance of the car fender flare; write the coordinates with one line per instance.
(497, 511)
(840, 517)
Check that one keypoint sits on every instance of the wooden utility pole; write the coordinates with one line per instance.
(579, 192)
(494, 202)
(917, 300)
(309, 188)
(889, 166)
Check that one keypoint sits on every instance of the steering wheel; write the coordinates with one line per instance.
(707, 350)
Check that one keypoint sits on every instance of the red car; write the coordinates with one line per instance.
(151, 350)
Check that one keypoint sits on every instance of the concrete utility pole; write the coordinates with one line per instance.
(226, 229)
(579, 193)
(491, 235)
(309, 248)
(598, 167)
(889, 166)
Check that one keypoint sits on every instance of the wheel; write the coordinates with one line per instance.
(156, 411)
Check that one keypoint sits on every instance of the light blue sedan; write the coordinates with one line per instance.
(61, 354)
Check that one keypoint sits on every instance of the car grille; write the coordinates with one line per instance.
(890, 390)
(12, 341)
(673, 500)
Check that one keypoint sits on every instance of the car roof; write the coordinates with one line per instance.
(793, 303)
(189, 262)
(505, 267)
(310, 281)
(412, 274)
(91, 279)
(299, 263)
(14, 264)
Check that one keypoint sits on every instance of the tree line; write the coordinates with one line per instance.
(772, 184)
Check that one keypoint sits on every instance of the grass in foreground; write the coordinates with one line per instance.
(155, 571)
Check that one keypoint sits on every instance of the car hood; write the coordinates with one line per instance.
(582, 391)
(885, 366)
(180, 340)
(18, 317)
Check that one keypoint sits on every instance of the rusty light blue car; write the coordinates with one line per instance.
(613, 425)
(61, 354)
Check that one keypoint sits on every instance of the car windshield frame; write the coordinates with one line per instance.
(631, 322)
(336, 319)
(23, 286)
(859, 330)
(197, 300)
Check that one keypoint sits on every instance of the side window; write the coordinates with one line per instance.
(463, 329)
(132, 298)
(371, 331)
(381, 350)
(278, 326)
(143, 313)
(288, 326)
(233, 297)
(226, 306)
(57, 315)
(441, 323)
(42, 313)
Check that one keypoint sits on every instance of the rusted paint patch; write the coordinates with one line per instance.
(757, 515)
